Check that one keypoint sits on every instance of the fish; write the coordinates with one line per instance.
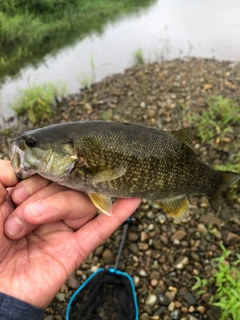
(120, 160)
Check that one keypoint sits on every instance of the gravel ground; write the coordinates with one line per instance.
(162, 257)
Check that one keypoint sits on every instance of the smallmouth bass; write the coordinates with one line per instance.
(121, 160)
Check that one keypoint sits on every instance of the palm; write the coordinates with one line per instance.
(44, 253)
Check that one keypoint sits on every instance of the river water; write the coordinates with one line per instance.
(166, 30)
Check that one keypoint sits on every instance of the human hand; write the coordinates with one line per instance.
(38, 252)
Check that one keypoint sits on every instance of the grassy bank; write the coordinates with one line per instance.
(31, 29)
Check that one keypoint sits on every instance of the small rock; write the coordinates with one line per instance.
(178, 304)
(49, 317)
(160, 311)
(144, 316)
(143, 246)
(201, 309)
(170, 295)
(151, 227)
(206, 297)
(190, 299)
(191, 317)
(151, 215)
(163, 299)
(133, 236)
(144, 236)
(181, 262)
(136, 280)
(143, 273)
(214, 313)
(155, 275)
(230, 238)
(73, 282)
(151, 300)
(154, 282)
(208, 218)
(98, 251)
(60, 296)
(176, 314)
(191, 309)
(179, 235)
(133, 247)
(171, 306)
(107, 256)
(94, 268)
(202, 228)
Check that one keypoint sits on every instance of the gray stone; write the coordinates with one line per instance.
(134, 248)
(190, 299)
(160, 311)
(176, 314)
(163, 299)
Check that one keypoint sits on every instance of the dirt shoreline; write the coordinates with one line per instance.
(162, 257)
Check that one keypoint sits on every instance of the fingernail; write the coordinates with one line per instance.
(14, 226)
(37, 208)
(21, 194)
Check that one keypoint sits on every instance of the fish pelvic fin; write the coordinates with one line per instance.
(228, 178)
(177, 207)
(102, 202)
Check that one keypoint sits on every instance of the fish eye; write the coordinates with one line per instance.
(30, 142)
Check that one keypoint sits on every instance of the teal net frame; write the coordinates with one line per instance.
(112, 271)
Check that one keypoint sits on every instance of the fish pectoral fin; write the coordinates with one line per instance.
(101, 173)
(102, 202)
(184, 135)
(176, 208)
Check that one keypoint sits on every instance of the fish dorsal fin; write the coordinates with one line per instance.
(184, 135)
(176, 207)
(104, 173)
(102, 202)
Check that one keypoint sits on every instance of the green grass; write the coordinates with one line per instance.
(215, 127)
(215, 124)
(38, 102)
(138, 57)
(31, 29)
(227, 280)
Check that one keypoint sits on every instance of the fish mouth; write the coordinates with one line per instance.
(17, 162)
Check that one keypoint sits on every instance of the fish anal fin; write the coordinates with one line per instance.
(184, 135)
(100, 173)
(102, 202)
(176, 207)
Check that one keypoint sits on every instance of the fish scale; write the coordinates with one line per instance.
(111, 159)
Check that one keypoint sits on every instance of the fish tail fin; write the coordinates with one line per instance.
(227, 179)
